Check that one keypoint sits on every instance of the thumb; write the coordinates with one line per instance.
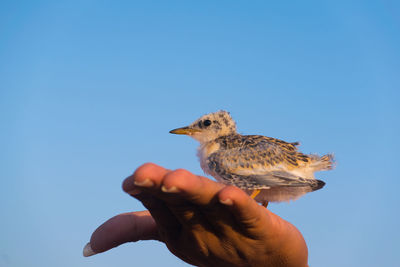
(123, 228)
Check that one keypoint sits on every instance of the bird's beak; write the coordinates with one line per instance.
(184, 130)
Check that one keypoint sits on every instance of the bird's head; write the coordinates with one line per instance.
(209, 127)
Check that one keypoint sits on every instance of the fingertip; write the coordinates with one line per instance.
(147, 170)
(88, 251)
(179, 178)
(234, 194)
(182, 173)
(196, 189)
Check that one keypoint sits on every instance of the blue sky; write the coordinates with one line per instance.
(90, 89)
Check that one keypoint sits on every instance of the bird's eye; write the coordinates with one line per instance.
(207, 123)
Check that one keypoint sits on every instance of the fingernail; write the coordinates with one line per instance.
(227, 202)
(88, 251)
(172, 189)
(145, 183)
(134, 191)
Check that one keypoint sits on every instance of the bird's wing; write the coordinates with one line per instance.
(283, 178)
(257, 163)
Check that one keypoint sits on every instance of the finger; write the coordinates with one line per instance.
(189, 187)
(143, 186)
(123, 228)
(147, 176)
(181, 191)
(191, 198)
(163, 183)
(253, 218)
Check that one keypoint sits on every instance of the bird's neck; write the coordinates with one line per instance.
(208, 147)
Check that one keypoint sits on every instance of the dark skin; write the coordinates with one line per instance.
(202, 222)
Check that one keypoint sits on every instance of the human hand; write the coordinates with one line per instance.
(203, 222)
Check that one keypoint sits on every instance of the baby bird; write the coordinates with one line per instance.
(269, 169)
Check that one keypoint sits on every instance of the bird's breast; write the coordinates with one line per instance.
(204, 151)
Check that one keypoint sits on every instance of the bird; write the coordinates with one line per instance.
(266, 168)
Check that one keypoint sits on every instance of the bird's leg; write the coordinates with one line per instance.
(255, 193)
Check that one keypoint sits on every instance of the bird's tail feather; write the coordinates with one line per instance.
(323, 163)
(318, 185)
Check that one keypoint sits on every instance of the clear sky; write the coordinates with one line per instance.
(90, 89)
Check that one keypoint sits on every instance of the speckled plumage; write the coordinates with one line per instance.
(254, 162)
